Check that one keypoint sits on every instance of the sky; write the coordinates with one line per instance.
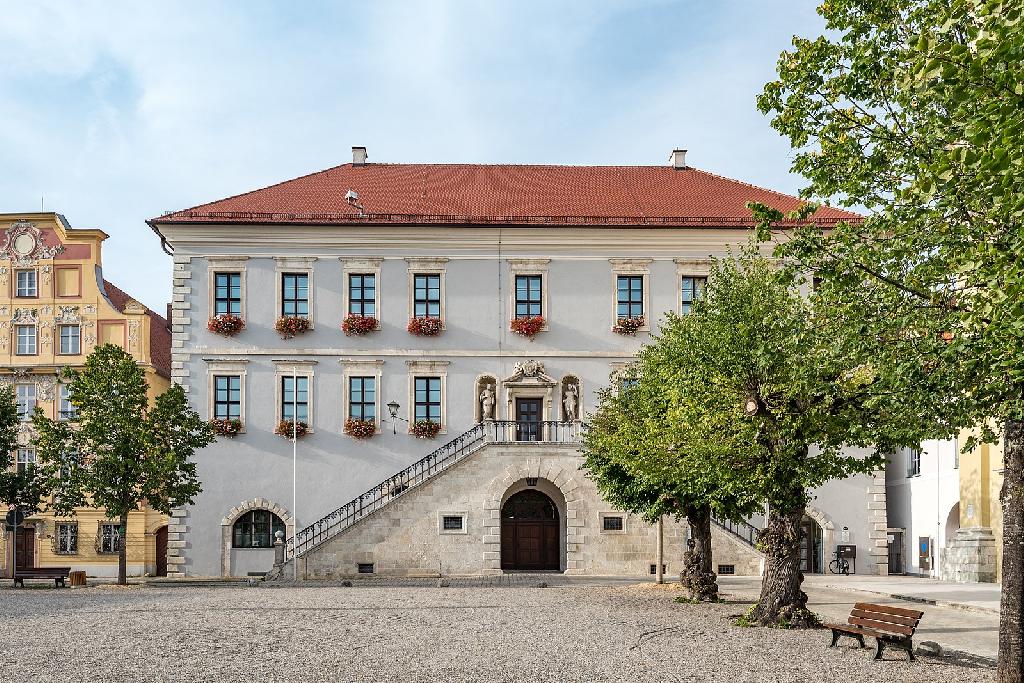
(112, 113)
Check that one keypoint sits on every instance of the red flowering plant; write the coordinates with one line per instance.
(226, 427)
(360, 429)
(290, 325)
(284, 428)
(424, 429)
(629, 325)
(425, 327)
(354, 325)
(226, 324)
(528, 326)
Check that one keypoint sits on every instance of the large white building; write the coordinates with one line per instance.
(463, 250)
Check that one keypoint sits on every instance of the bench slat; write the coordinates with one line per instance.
(882, 626)
(886, 609)
(887, 618)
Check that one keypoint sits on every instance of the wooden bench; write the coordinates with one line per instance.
(58, 574)
(887, 625)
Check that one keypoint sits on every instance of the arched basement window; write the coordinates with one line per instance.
(256, 529)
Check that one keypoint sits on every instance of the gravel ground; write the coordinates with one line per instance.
(561, 633)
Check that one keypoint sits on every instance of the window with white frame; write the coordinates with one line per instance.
(67, 538)
(25, 284)
(66, 410)
(426, 295)
(452, 522)
(256, 529)
(25, 336)
(914, 462)
(362, 398)
(427, 399)
(629, 291)
(25, 397)
(24, 459)
(227, 294)
(109, 540)
(227, 397)
(362, 294)
(691, 290)
(69, 461)
(70, 339)
(529, 296)
(295, 295)
(295, 398)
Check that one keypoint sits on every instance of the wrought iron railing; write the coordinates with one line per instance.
(549, 431)
(500, 431)
(744, 531)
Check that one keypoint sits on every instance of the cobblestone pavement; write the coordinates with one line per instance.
(567, 632)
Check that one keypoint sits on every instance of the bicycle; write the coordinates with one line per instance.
(839, 565)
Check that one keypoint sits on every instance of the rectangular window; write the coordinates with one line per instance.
(66, 410)
(26, 284)
(70, 459)
(428, 399)
(295, 295)
(67, 539)
(227, 294)
(452, 523)
(362, 294)
(726, 569)
(25, 396)
(528, 296)
(362, 398)
(630, 296)
(612, 523)
(110, 538)
(914, 462)
(364, 567)
(70, 340)
(227, 397)
(295, 396)
(25, 458)
(427, 295)
(692, 290)
(26, 336)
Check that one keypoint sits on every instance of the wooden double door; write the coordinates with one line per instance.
(25, 548)
(530, 533)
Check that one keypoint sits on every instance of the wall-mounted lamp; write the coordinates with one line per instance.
(393, 409)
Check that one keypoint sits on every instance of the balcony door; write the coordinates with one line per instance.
(528, 419)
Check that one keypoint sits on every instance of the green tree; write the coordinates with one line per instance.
(121, 453)
(914, 110)
(25, 490)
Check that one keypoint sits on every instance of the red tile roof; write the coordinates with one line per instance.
(159, 330)
(508, 194)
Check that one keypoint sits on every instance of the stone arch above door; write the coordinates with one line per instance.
(562, 479)
(229, 520)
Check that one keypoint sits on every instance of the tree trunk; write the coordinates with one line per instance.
(782, 602)
(1011, 623)
(122, 553)
(697, 577)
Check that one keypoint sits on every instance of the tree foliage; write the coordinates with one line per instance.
(914, 110)
(119, 453)
(24, 490)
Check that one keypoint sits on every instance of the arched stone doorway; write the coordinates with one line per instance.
(530, 532)
(812, 560)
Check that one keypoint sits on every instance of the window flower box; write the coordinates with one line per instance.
(284, 428)
(225, 324)
(355, 325)
(224, 427)
(629, 325)
(360, 429)
(424, 429)
(289, 325)
(527, 327)
(425, 327)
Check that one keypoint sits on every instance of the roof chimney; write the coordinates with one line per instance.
(678, 159)
(358, 156)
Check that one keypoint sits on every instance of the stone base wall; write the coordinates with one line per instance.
(406, 538)
(970, 557)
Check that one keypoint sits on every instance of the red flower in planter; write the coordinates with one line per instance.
(424, 429)
(527, 327)
(629, 325)
(290, 325)
(226, 324)
(284, 428)
(360, 429)
(354, 325)
(425, 327)
(225, 427)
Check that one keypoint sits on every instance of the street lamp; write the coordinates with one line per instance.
(393, 409)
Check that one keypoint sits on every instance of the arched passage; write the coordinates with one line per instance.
(530, 532)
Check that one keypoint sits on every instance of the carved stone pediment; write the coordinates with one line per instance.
(529, 373)
(24, 245)
(67, 315)
(25, 316)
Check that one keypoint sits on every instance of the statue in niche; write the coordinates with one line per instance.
(487, 399)
(570, 401)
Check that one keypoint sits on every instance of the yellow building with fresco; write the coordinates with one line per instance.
(55, 308)
(975, 554)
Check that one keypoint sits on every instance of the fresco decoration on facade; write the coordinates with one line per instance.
(24, 245)
(25, 316)
(133, 335)
(67, 315)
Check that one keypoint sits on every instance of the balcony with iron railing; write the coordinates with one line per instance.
(508, 432)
